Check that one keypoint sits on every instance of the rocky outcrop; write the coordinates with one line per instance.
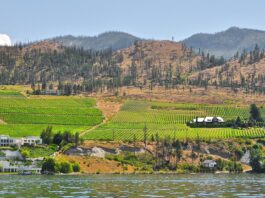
(98, 152)
(77, 151)
(245, 158)
(101, 151)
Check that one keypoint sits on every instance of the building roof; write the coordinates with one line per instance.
(29, 168)
(207, 119)
(220, 119)
(198, 120)
(32, 137)
(4, 136)
(209, 162)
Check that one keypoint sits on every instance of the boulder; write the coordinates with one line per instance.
(246, 157)
(98, 152)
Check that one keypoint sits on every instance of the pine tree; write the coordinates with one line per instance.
(255, 113)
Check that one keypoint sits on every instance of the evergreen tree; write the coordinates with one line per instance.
(255, 113)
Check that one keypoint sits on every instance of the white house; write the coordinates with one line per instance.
(29, 170)
(6, 140)
(31, 140)
(209, 163)
(6, 166)
(208, 120)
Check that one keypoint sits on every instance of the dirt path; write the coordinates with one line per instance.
(2, 122)
(109, 107)
(94, 127)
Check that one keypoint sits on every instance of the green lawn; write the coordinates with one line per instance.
(38, 151)
(29, 116)
(169, 119)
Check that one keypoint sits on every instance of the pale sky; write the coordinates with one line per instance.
(30, 20)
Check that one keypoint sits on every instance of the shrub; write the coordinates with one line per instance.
(187, 167)
(66, 167)
(25, 153)
(49, 165)
(76, 167)
(2, 154)
(239, 152)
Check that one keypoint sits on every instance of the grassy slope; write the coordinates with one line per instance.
(168, 119)
(29, 116)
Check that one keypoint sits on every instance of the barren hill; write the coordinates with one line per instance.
(234, 73)
(157, 60)
(145, 64)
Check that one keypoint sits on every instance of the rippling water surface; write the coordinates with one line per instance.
(200, 185)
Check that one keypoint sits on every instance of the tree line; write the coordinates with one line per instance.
(67, 71)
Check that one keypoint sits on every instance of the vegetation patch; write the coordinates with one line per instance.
(37, 151)
(169, 120)
(29, 116)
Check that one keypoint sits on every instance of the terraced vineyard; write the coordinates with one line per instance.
(169, 119)
(21, 116)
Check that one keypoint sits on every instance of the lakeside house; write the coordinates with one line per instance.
(31, 140)
(8, 167)
(11, 161)
(206, 120)
(209, 163)
(29, 170)
(6, 140)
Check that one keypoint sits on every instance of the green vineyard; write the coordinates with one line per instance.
(169, 120)
(21, 116)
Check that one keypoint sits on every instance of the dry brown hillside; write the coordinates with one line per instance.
(157, 57)
(44, 47)
(235, 72)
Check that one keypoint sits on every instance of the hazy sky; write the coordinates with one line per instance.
(28, 20)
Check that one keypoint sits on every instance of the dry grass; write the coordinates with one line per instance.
(235, 69)
(97, 165)
(160, 54)
(109, 106)
(44, 47)
(198, 95)
(103, 144)
(2, 122)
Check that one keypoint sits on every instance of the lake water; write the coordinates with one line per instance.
(200, 185)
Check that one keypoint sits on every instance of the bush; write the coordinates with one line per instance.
(25, 153)
(239, 152)
(66, 167)
(49, 165)
(257, 159)
(233, 166)
(2, 154)
(76, 167)
(187, 167)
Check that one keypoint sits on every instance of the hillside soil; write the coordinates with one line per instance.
(109, 107)
(191, 94)
(95, 165)
(215, 150)
(2, 122)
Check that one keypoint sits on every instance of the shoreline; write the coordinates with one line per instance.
(135, 173)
